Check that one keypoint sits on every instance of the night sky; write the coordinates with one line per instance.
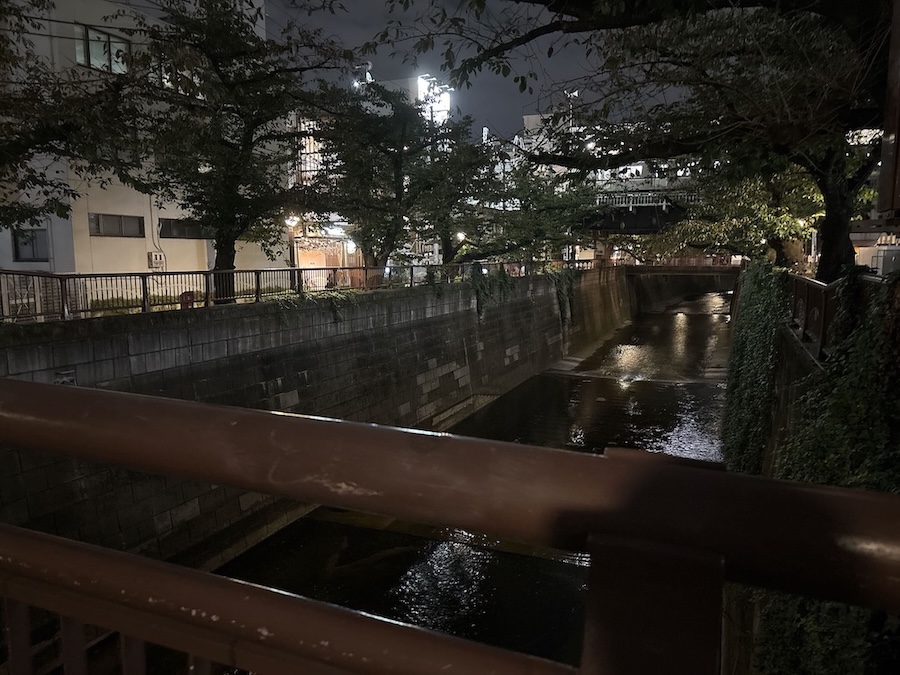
(492, 101)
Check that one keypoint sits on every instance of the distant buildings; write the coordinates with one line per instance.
(639, 198)
(111, 228)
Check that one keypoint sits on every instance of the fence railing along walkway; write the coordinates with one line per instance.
(663, 535)
(27, 297)
(37, 296)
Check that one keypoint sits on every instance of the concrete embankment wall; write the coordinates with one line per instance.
(652, 291)
(418, 357)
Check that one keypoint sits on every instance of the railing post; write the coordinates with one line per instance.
(134, 660)
(63, 298)
(73, 646)
(18, 636)
(207, 289)
(5, 309)
(257, 278)
(652, 608)
(145, 292)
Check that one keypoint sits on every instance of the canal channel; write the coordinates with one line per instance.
(659, 385)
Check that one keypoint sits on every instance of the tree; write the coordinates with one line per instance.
(753, 83)
(391, 171)
(59, 124)
(757, 216)
(461, 179)
(536, 213)
(221, 127)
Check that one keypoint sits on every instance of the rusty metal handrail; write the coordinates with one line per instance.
(231, 622)
(831, 542)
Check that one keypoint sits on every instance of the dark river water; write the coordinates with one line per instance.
(657, 385)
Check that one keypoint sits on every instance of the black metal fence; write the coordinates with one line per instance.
(27, 297)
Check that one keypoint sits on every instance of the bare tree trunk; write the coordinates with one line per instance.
(448, 251)
(839, 188)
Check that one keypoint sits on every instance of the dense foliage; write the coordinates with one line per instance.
(845, 432)
(533, 213)
(392, 172)
(750, 398)
(759, 217)
(751, 83)
(219, 127)
(58, 125)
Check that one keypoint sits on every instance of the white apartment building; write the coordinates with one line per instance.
(111, 228)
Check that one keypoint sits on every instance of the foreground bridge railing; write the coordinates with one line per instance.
(663, 535)
(39, 296)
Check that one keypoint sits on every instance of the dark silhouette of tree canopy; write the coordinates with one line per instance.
(59, 124)
(753, 83)
(535, 212)
(220, 130)
(392, 172)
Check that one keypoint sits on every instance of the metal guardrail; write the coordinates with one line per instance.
(26, 297)
(692, 261)
(663, 535)
(813, 306)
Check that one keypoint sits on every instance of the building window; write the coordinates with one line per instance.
(31, 245)
(105, 225)
(102, 51)
(180, 228)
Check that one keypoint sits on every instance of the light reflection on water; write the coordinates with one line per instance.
(443, 590)
(656, 386)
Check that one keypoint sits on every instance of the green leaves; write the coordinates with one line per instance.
(393, 172)
(222, 130)
(56, 123)
(749, 403)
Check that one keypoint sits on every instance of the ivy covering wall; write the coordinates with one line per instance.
(762, 307)
(845, 432)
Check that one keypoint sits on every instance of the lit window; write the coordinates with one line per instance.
(96, 49)
(32, 245)
(105, 225)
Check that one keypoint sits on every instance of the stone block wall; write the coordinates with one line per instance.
(420, 357)
(158, 516)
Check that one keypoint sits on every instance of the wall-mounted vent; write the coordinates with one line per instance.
(156, 260)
